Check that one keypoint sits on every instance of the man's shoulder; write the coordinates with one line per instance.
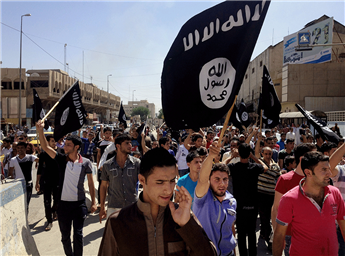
(183, 179)
(292, 193)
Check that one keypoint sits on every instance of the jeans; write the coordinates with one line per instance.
(28, 193)
(287, 245)
(183, 172)
(265, 206)
(48, 190)
(99, 173)
(246, 225)
(341, 251)
(72, 213)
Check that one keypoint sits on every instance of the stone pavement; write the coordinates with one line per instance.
(49, 242)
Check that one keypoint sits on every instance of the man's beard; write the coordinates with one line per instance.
(216, 193)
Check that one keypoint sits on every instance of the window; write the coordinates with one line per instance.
(253, 70)
(277, 84)
(261, 63)
(246, 76)
(16, 85)
(6, 85)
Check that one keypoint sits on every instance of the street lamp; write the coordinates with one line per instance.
(20, 70)
(133, 95)
(65, 57)
(108, 83)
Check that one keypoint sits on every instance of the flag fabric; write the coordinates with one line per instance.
(122, 116)
(270, 101)
(38, 111)
(320, 126)
(235, 120)
(269, 123)
(70, 114)
(243, 114)
(207, 61)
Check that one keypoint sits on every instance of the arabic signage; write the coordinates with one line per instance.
(319, 33)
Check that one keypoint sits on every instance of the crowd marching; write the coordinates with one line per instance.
(166, 192)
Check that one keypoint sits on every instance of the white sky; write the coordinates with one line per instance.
(126, 39)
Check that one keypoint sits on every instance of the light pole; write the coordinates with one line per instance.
(65, 57)
(108, 87)
(133, 95)
(20, 70)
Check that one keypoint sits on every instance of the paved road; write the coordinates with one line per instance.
(49, 242)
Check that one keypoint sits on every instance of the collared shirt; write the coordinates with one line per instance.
(122, 181)
(313, 227)
(217, 219)
(88, 146)
(23, 167)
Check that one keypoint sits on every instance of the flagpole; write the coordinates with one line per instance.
(227, 121)
(261, 121)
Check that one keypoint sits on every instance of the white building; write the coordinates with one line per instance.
(143, 103)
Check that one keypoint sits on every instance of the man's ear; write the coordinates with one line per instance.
(188, 164)
(141, 179)
(308, 172)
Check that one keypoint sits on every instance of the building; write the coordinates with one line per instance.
(143, 103)
(50, 85)
(313, 86)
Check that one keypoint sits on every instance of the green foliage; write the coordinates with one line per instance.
(142, 111)
(160, 114)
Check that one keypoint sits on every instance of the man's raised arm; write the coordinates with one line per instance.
(44, 144)
(204, 176)
(336, 158)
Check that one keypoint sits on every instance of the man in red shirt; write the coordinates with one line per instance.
(288, 181)
(311, 209)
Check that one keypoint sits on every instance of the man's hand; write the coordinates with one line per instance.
(102, 214)
(214, 150)
(37, 187)
(181, 215)
(94, 208)
(39, 125)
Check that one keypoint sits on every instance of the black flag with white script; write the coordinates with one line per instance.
(235, 119)
(320, 126)
(269, 123)
(207, 61)
(38, 111)
(70, 114)
(122, 116)
(243, 114)
(270, 101)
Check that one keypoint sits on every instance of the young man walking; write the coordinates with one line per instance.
(72, 208)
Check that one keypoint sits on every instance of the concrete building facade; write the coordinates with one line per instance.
(50, 85)
(313, 86)
(142, 103)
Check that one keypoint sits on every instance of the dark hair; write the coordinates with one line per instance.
(289, 141)
(24, 135)
(267, 131)
(283, 134)
(157, 157)
(8, 140)
(202, 151)
(235, 139)
(22, 143)
(163, 140)
(244, 150)
(49, 136)
(76, 140)
(121, 138)
(289, 160)
(116, 132)
(302, 149)
(191, 156)
(311, 159)
(220, 167)
(196, 137)
(183, 138)
(318, 136)
(268, 138)
(326, 147)
(209, 131)
(106, 129)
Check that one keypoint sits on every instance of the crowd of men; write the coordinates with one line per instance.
(188, 192)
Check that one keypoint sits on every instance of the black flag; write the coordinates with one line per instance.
(270, 102)
(122, 116)
(235, 119)
(206, 63)
(243, 114)
(70, 114)
(38, 111)
(320, 126)
(269, 123)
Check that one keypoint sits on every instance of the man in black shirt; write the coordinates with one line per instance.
(245, 182)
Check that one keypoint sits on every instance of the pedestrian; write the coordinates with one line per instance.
(72, 209)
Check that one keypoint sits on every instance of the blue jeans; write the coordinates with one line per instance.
(341, 242)
(72, 213)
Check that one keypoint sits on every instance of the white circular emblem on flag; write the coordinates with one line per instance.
(238, 119)
(216, 80)
(64, 116)
(244, 116)
(124, 117)
(42, 113)
(269, 121)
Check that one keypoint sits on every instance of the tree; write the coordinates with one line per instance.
(142, 111)
(160, 114)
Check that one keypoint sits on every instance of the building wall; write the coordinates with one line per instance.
(143, 103)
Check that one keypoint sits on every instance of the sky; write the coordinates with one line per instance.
(126, 39)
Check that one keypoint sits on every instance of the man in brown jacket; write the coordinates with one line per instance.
(149, 227)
